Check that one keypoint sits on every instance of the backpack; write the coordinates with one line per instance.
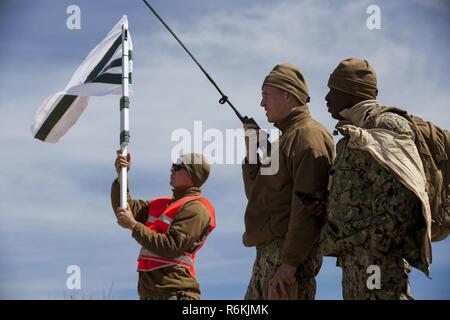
(433, 144)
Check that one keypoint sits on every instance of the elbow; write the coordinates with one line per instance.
(173, 253)
(174, 248)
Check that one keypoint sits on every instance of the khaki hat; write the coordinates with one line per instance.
(197, 167)
(288, 77)
(356, 77)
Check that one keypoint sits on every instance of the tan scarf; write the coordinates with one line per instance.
(397, 153)
(358, 114)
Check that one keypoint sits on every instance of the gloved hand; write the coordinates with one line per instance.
(254, 139)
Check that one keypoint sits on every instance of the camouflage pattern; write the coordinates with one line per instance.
(394, 284)
(268, 260)
(372, 218)
(393, 122)
(180, 295)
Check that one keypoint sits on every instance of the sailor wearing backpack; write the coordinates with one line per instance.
(379, 218)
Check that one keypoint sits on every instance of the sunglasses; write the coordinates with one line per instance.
(177, 167)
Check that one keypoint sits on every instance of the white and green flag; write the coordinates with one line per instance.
(99, 74)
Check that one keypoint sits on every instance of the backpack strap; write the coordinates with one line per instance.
(371, 119)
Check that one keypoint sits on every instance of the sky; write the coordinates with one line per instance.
(55, 198)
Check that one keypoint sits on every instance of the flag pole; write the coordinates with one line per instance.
(124, 114)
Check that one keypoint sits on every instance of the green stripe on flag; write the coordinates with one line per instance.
(56, 115)
(113, 64)
(111, 78)
(99, 67)
(118, 62)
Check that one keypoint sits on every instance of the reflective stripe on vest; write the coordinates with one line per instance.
(160, 217)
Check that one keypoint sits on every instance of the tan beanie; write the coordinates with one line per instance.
(288, 77)
(356, 77)
(197, 167)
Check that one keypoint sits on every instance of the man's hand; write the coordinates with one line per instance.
(285, 275)
(319, 207)
(251, 133)
(253, 140)
(125, 218)
(122, 161)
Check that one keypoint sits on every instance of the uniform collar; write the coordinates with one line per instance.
(184, 192)
(295, 116)
(358, 114)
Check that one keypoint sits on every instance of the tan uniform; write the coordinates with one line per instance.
(187, 232)
(274, 212)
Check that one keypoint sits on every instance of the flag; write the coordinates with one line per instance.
(99, 74)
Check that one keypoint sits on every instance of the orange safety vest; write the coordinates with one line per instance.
(160, 217)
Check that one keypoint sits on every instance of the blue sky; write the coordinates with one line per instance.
(54, 201)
